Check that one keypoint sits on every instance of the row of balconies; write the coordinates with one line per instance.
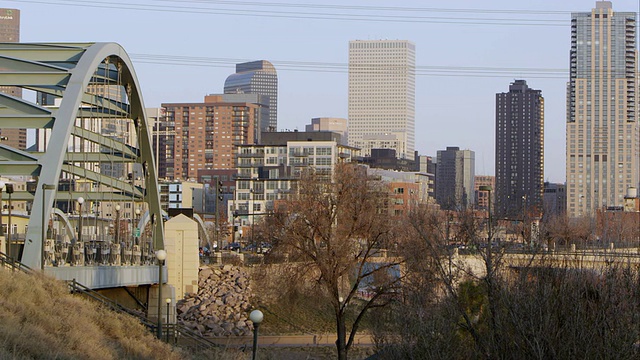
(251, 155)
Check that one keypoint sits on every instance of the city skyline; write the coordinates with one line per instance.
(466, 63)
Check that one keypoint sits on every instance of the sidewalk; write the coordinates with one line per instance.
(290, 340)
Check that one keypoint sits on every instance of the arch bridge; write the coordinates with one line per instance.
(90, 180)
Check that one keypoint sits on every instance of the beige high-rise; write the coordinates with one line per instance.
(382, 96)
(603, 153)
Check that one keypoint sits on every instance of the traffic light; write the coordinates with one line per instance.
(220, 196)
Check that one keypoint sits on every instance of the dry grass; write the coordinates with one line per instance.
(41, 320)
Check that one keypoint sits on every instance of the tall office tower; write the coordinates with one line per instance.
(257, 77)
(455, 178)
(195, 136)
(382, 96)
(519, 151)
(10, 32)
(603, 153)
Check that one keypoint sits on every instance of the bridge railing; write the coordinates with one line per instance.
(13, 264)
(176, 333)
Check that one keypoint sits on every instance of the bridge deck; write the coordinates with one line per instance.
(101, 277)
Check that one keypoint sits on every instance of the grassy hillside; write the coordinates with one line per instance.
(41, 320)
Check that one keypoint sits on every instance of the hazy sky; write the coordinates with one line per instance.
(466, 52)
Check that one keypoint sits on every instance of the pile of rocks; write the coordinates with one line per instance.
(221, 304)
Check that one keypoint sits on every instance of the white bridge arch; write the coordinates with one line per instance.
(93, 139)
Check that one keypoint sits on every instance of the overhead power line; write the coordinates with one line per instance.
(329, 67)
(349, 13)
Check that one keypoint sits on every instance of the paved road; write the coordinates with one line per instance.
(290, 340)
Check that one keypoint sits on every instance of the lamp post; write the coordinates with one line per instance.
(256, 318)
(488, 189)
(118, 224)
(168, 300)
(45, 187)
(160, 255)
(80, 202)
(9, 190)
(1, 230)
(137, 230)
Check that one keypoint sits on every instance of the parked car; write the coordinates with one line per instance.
(234, 246)
(261, 248)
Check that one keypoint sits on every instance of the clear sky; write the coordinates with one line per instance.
(466, 52)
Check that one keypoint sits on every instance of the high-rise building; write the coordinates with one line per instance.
(10, 32)
(257, 77)
(603, 135)
(195, 136)
(337, 125)
(519, 151)
(382, 96)
(555, 199)
(455, 178)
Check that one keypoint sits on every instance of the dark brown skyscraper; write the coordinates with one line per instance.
(10, 32)
(519, 151)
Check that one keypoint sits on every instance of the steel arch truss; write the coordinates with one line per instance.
(93, 136)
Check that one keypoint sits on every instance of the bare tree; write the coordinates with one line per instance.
(544, 310)
(333, 231)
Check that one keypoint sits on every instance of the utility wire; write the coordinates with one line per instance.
(327, 67)
(305, 15)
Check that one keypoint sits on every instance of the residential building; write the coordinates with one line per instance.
(555, 199)
(483, 197)
(257, 77)
(603, 135)
(336, 125)
(455, 178)
(181, 194)
(267, 172)
(195, 136)
(10, 32)
(408, 189)
(519, 151)
(382, 96)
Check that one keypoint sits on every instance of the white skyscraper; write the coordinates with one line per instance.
(382, 96)
(602, 116)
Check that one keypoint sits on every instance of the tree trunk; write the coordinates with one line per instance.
(341, 341)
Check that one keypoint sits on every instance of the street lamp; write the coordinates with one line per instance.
(160, 255)
(488, 189)
(80, 202)
(256, 318)
(45, 187)
(168, 300)
(118, 224)
(1, 230)
(9, 190)
(137, 230)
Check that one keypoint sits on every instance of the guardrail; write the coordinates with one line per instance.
(13, 264)
(177, 334)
